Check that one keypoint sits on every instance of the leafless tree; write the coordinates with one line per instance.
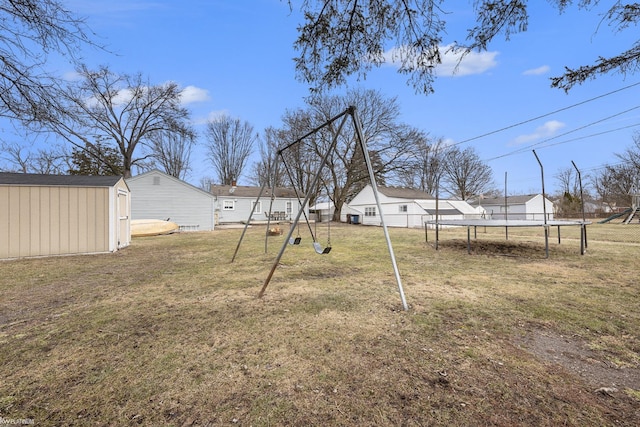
(269, 169)
(465, 175)
(568, 180)
(631, 154)
(389, 142)
(172, 152)
(615, 184)
(340, 38)
(123, 109)
(229, 146)
(19, 158)
(300, 161)
(29, 32)
(426, 167)
(205, 183)
(569, 192)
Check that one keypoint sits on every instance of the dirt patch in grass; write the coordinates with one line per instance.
(573, 354)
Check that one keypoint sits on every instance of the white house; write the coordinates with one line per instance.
(156, 195)
(44, 215)
(450, 209)
(233, 204)
(529, 207)
(322, 211)
(403, 207)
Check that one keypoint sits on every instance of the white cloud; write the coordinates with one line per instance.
(545, 131)
(537, 71)
(192, 94)
(71, 76)
(472, 63)
(451, 66)
(212, 115)
(120, 98)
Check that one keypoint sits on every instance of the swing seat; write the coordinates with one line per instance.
(295, 241)
(319, 250)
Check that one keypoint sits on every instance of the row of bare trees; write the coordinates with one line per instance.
(609, 187)
(101, 122)
(113, 123)
(400, 154)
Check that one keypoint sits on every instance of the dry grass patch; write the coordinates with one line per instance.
(168, 331)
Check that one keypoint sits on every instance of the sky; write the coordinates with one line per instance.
(235, 57)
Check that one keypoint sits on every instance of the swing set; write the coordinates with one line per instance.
(317, 246)
(298, 239)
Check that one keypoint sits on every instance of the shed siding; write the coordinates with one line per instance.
(41, 220)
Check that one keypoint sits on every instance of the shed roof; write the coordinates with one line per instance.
(10, 178)
(404, 193)
(247, 191)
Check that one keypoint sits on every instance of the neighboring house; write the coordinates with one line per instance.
(233, 204)
(403, 207)
(322, 211)
(44, 215)
(529, 207)
(156, 195)
(450, 209)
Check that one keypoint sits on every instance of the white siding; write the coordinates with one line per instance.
(242, 208)
(155, 195)
(532, 209)
(401, 212)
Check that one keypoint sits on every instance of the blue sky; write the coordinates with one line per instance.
(235, 57)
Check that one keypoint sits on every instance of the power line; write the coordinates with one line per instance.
(590, 136)
(546, 115)
(523, 149)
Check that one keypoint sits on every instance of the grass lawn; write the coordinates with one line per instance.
(169, 332)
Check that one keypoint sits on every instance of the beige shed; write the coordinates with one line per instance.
(43, 215)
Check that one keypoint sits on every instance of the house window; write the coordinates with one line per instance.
(370, 211)
(156, 180)
(289, 208)
(402, 208)
(228, 205)
(258, 207)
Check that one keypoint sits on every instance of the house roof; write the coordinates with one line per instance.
(246, 191)
(511, 200)
(443, 212)
(9, 178)
(322, 206)
(404, 193)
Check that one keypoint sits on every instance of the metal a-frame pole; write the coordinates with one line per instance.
(246, 225)
(271, 199)
(372, 178)
(314, 184)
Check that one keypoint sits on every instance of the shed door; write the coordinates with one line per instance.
(123, 219)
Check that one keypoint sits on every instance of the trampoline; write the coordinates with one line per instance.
(507, 223)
